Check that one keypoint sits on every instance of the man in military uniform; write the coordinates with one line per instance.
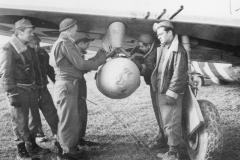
(18, 79)
(82, 40)
(169, 81)
(43, 70)
(146, 64)
(69, 65)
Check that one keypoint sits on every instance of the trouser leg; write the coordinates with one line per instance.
(83, 112)
(48, 109)
(156, 111)
(171, 118)
(66, 101)
(35, 123)
(20, 115)
(15, 131)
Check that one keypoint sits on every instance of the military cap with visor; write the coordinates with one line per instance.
(80, 36)
(162, 24)
(24, 23)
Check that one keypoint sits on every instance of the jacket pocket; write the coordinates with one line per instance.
(63, 88)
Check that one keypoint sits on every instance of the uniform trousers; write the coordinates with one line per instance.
(155, 107)
(28, 98)
(46, 105)
(48, 110)
(66, 99)
(171, 118)
(83, 106)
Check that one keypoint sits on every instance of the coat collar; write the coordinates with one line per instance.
(174, 45)
(66, 37)
(151, 49)
(17, 44)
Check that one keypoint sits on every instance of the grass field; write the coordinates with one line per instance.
(124, 126)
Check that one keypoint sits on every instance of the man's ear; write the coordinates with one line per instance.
(20, 32)
(170, 32)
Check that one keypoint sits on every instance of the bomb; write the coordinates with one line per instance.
(118, 78)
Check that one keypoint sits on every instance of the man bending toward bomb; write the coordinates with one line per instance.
(69, 65)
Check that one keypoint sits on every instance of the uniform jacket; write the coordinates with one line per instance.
(43, 69)
(16, 65)
(148, 61)
(174, 70)
(67, 59)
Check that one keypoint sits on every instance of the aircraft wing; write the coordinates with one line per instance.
(215, 21)
(211, 24)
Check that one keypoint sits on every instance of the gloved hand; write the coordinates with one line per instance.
(14, 101)
(102, 58)
(139, 65)
(98, 54)
(170, 100)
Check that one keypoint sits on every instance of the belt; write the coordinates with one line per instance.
(27, 86)
(73, 79)
(41, 86)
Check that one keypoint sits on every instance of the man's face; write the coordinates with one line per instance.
(73, 31)
(26, 34)
(164, 36)
(83, 46)
(144, 48)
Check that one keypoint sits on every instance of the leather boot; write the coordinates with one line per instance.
(59, 150)
(33, 148)
(22, 153)
(67, 156)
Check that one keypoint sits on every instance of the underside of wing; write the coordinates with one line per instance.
(212, 24)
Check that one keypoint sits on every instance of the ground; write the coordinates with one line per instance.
(123, 126)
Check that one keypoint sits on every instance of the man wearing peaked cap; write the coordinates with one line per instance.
(81, 36)
(166, 24)
(18, 79)
(169, 81)
(24, 23)
(69, 66)
(82, 41)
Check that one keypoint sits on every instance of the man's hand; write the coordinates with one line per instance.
(139, 65)
(102, 58)
(14, 101)
(170, 100)
(98, 54)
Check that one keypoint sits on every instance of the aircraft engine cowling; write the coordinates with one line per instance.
(118, 78)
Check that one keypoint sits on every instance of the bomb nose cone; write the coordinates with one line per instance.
(118, 78)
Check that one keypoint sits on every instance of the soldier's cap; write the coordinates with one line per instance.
(162, 24)
(81, 36)
(66, 23)
(145, 38)
(24, 23)
(35, 39)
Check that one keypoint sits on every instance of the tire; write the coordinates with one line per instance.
(207, 141)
